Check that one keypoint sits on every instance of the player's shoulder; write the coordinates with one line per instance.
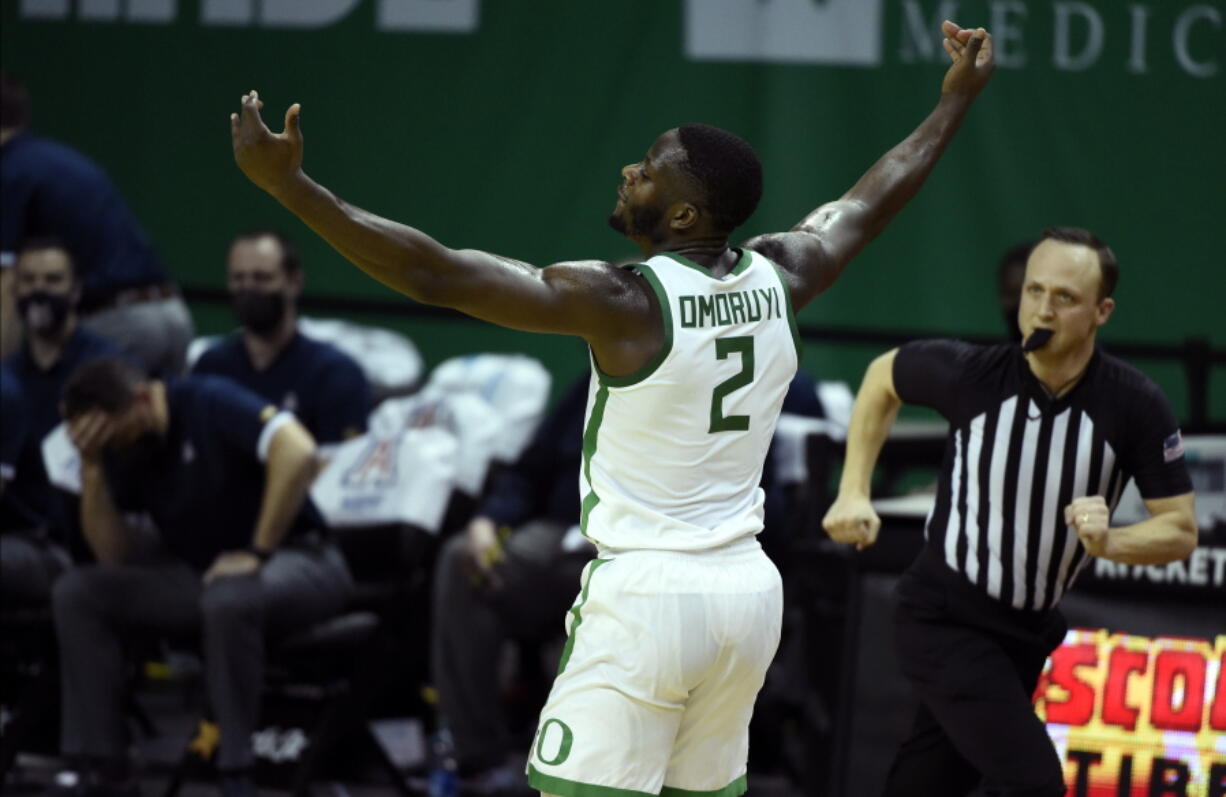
(595, 269)
(620, 286)
(785, 250)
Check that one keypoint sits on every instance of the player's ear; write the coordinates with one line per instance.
(683, 216)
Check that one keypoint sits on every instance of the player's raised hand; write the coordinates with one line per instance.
(970, 50)
(852, 519)
(270, 160)
(1091, 519)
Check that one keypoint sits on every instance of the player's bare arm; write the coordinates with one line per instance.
(815, 252)
(612, 309)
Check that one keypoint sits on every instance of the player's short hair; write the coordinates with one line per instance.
(14, 101)
(107, 383)
(290, 262)
(727, 170)
(1106, 258)
(48, 243)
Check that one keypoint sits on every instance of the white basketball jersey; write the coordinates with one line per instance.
(672, 454)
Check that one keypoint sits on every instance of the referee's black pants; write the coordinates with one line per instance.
(974, 664)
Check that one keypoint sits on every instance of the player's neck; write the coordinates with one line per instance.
(263, 350)
(711, 253)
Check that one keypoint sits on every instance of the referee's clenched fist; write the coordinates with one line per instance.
(1090, 518)
(851, 519)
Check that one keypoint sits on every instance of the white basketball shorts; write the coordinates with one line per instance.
(664, 656)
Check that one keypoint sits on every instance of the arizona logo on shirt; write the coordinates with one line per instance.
(1172, 447)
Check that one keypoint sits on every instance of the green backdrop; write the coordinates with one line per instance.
(509, 136)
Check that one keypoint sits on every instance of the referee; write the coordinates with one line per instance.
(1043, 438)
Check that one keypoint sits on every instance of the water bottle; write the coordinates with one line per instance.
(444, 779)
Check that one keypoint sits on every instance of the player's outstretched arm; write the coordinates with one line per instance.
(592, 300)
(851, 518)
(817, 249)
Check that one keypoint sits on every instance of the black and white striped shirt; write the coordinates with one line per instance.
(1015, 458)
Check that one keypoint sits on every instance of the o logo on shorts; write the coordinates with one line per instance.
(568, 738)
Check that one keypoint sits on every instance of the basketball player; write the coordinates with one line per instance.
(692, 351)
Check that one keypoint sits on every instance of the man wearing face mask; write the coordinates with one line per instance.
(321, 385)
(48, 188)
(34, 520)
(224, 476)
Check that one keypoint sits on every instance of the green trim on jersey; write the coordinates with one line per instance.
(733, 789)
(787, 298)
(590, 436)
(575, 610)
(571, 788)
(650, 367)
(740, 266)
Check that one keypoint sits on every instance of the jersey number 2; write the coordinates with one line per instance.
(742, 345)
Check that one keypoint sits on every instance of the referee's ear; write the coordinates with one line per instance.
(1106, 306)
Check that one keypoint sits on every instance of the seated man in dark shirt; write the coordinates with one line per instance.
(49, 189)
(317, 382)
(35, 521)
(224, 477)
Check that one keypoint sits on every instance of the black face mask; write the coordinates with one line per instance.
(259, 312)
(44, 313)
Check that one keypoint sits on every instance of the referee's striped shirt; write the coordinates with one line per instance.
(1015, 458)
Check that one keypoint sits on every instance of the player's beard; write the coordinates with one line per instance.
(642, 222)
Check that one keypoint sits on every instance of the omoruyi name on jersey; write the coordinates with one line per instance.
(734, 307)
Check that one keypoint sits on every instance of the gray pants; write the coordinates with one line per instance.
(29, 565)
(155, 334)
(98, 607)
(471, 621)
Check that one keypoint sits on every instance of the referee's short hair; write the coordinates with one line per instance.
(108, 384)
(728, 171)
(1106, 258)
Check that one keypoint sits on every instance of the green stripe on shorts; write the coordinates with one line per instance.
(570, 788)
(733, 789)
(574, 627)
